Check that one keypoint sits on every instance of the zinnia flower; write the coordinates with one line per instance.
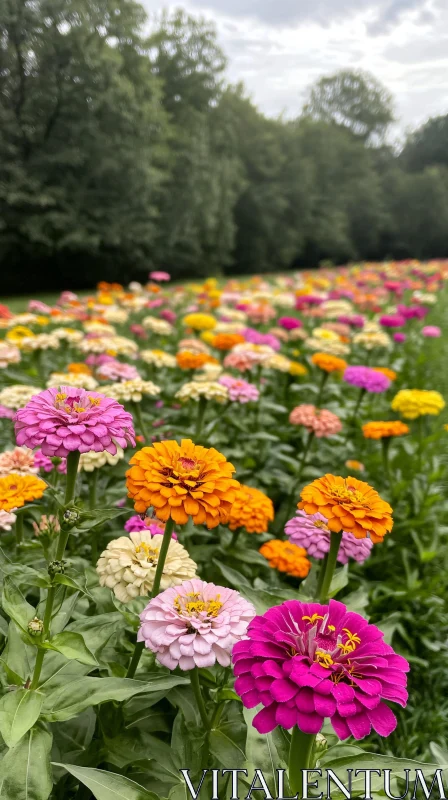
(413, 403)
(16, 490)
(195, 624)
(286, 557)
(367, 378)
(328, 363)
(373, 339)
(348, 504)
(77, 379)
(20, 460)
(7, 520)
(382, 430)
(311, 531)
(251, 509)
(116, 371)
(200, 322)
(156, 325)
(92, 460)
(132, 390)
(187, 360)
(239, 391)
(305, 662)
(290, 323)
(159, 275)
(225, 341)
(433, 331)
(181, 481)
(68, 419)
(128, 565)
(6, 413)
(9, 354)
(211, 390)
(352, 464)
(138, 523)
(158, 358)
(319, 421)
(17, 395)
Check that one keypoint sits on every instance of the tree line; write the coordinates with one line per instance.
(123, 148)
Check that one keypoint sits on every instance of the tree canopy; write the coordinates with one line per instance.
(123, 148)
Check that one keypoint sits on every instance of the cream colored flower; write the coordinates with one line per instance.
(209, 372)
(211, 390)
(256, 353)
(41, 341)
(20, 461)
(128, 565)
(78, 379)
(327, 344)
(282, 300)
(336, 308)
(372, 340)
(70, 335)
(233, 313)
(193, 346)
(131, 390)
(92, 460)
(279, 362)
(117, 315)
(156, 325)
(113, 345)
(229, 327)
(23, 319)
(426, 298)
(17, 395)
(9, 354)
(94, 326)
(158, 358)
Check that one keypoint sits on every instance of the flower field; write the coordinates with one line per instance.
(223, 525)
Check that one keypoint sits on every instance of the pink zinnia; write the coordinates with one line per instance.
(195, 624)
(240, 391)
(432, 331)
(138, 331)
(399, 337)
(289, 323)
(354, 320)
(97, 361)
(43, 462)
(412, 312)
(311, 531)
(168, 315)
(305, 662)
(392, 321)
(255, 337)
(6, 413)
(239, 360)
(158, 275)
(63, 420)
(116, 371)
(20, 461)
(318, 420)
(136, 523)
(367, 378)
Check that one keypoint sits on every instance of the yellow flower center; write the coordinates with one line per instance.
(149, 552)
(324, 659)
(194, 606)
(319, 523)
(347, 493)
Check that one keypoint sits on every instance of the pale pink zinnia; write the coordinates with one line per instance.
(319, 421)
(240, 391)
(116, 371)
(311, 531)
(195, 624)
(7, 520)
(20, 461)
(159, 275)
(63, 420)
(433, 331)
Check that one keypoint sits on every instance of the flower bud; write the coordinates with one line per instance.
(320, 746)
(69, 519)
(35, 626)
(56, 568)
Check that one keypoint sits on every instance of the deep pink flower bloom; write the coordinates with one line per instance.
(289, 323)
(366, 378)
(354, 320)
(308, 300)
(43, 462)
(155, 303)
(392, 321)
(320, 421)
(433, 331)
(65, 419)
(240, 391)
(158, 275)
(138, 330)
(136, 524)
(255, 337)
(168, 315)
(194, 624)
(305, 662)
(399, 337)
(6, 413)
(412, 312)
(312, 532)
(116, 371)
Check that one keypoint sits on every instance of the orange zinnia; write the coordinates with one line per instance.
(348, 505)
(252, 510)
(187, 360)
(286, 557)
(328, 363)
(389, 373)
(381, 430)
(16, 490)
(181, 481)
(79, 368)
(225, 341)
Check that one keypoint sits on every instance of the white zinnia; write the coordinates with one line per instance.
(131, 390)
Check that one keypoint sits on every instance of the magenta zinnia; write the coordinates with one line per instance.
(305, 662)
(62, 420)
(194, 624)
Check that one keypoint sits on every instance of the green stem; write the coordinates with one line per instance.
(323, 381)
(385, 444)
(295, 489)
(196, 686)
(335, 541)
(202, 405)
(72, 470)
(19, 529)
(138, 649)
(358, 405)
(93, 484)
(420, 443)
(300, 753)
(320, 579)
(139, 417)
(234, 538)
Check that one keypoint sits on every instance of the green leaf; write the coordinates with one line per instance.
(109, 785)
(66, 580)
(19, 711)
(72, 646)
(339, 580)
(12, 677)
(15, 605)
(72, 698)
(27, 576)
(25, 772)
(223, 746)
(91, 519)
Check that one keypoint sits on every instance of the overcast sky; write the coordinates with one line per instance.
(279, 47)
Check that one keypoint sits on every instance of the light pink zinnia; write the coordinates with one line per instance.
(195, 624)
(239, 360)
(20, 461)
(6, 413)
(318, 420)
(63, 420)
(159, 275)
(433, 331)
(7, 520)
(116, 371)
(311, 531)
(240, 391)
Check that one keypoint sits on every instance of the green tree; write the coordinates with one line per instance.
(352, 99)
(427, 146)
(81, 151)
